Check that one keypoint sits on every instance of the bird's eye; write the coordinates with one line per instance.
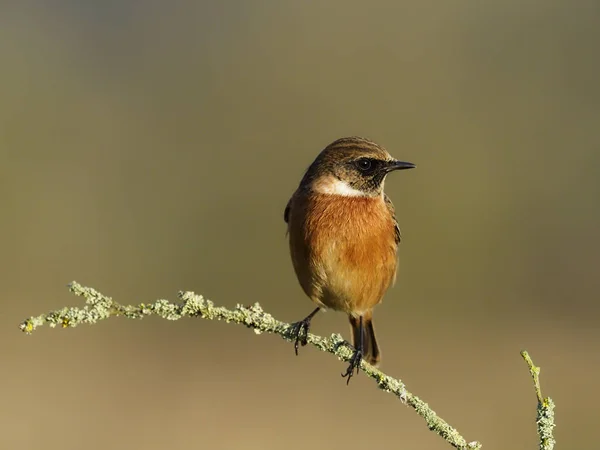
(364, 164)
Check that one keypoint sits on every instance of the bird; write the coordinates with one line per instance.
(343, 239)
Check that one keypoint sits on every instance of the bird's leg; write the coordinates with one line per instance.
(356, 356)
(300, 329)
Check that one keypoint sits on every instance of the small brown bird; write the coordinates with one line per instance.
(343, 238)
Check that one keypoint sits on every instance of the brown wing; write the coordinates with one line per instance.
(286, 213)
(392, 211)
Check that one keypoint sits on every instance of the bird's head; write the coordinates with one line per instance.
(352, 167)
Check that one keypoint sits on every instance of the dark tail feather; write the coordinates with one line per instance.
(371, 352)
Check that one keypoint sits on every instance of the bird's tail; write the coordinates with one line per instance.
(371, 352)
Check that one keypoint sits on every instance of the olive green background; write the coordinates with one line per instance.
(151, 147)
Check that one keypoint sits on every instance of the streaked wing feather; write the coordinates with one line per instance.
(392, 211)
(286, 213)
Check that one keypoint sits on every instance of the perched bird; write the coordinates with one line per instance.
(343, 238)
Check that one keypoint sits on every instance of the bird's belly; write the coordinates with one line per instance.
(343, 250)
(356, 273)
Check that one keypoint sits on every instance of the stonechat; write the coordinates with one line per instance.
(344, 237)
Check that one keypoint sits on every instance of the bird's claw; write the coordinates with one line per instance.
(299, 330)
(354, 364)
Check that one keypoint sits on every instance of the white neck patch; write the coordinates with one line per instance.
(335, 186)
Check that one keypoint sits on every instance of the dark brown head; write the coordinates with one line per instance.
(353, 167)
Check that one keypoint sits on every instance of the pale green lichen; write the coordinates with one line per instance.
(545, 423)
(545, 408)
(99, 307)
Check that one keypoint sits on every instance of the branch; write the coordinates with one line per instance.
(545, 408)
(99, 307)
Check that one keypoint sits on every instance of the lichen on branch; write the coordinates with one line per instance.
(100, 307)
(545, 408)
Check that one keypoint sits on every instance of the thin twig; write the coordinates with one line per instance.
(99, 307)
(545, 408)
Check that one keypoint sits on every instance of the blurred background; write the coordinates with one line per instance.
(151, 147)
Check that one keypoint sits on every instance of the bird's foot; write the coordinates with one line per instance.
(354, 364)
(299, 331)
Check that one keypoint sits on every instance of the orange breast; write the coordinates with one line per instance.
(343, 250)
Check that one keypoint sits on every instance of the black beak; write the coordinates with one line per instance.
(399, 165)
